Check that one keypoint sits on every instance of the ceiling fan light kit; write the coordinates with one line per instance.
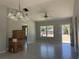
(19, 13)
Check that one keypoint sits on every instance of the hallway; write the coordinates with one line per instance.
(43, 50)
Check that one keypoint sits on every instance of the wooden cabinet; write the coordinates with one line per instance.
(16, 43)
(13, 46)
(18, 34)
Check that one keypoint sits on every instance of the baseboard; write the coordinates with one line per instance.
(31, 42)
(3, 51)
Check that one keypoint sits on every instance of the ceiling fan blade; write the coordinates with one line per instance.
(25, 9)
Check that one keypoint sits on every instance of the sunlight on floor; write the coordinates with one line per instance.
(66, 39)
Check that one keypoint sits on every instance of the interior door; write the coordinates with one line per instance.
(25, 29)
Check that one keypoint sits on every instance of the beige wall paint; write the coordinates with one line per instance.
(3, 29)
(76, 17)
(76, 14)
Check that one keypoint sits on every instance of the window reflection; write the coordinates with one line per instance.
(66, 51)
(47, 51)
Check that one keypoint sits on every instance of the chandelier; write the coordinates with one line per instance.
(19, 13)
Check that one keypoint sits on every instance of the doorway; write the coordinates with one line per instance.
(66, 37)
(25, 29)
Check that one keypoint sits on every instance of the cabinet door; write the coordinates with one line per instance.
(18, 34)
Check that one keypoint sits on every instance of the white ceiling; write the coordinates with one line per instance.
(54, 8)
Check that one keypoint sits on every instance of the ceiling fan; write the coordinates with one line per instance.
(45, 15)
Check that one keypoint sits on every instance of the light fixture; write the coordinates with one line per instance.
(19, 13)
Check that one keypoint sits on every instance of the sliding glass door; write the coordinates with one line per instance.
(66, 37)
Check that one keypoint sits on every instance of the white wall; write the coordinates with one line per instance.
(17, 25)
(3, 29)
(57, 28)
(7, 25)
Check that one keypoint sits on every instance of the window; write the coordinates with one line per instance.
(50, 31)
(43, 31)
(47, 31)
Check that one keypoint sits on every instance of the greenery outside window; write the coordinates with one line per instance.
(47, 31)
